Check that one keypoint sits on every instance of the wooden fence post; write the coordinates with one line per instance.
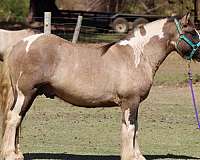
(77, 29)
(47, 22)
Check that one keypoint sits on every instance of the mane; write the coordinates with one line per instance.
(171, 18)
(106, 47)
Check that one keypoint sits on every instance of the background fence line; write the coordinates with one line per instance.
(75, 31)
(47, 22)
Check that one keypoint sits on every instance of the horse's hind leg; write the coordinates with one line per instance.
(10, 144)
(27, 104)
(12, 121)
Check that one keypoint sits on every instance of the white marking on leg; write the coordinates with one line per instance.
(31, 39)
(137, 151)
(126, 117)
(128, 131)
(130, 127)
(19, 102)
(138, 42)
(20, 97)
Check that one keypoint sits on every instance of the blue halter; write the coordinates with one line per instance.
(194, 46)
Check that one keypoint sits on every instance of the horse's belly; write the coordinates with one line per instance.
(83, 85)
(87, 96)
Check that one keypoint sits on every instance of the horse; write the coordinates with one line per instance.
(10, 38)
(117, 74)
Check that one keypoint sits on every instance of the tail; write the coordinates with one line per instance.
(6, 94)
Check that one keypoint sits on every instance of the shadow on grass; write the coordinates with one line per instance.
(59, 156)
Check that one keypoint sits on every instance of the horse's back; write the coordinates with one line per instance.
(48, 58)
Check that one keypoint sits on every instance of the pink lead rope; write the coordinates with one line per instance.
(193, 95)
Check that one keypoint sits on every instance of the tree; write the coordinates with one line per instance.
(12, 10)
(38, 7)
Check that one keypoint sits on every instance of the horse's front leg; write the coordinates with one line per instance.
(129, 147)
(137, 149)
(17, 144)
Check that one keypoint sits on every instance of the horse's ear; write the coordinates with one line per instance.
(185, 20)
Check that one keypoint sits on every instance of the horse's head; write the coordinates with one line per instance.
(188, 41)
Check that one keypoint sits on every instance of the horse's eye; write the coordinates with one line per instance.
(184, 25)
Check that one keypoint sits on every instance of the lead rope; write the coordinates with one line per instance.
(192, 94)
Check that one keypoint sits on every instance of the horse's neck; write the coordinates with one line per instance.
(10, 38)
(3, 40)
(149, 42)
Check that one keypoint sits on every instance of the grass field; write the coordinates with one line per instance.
(168, 130)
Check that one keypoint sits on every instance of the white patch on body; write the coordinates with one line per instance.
(31, 39)
(138, 42)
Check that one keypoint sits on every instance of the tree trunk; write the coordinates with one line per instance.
(196, 10)
(38, 7)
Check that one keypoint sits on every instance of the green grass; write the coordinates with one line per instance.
(167, 125)
(58, 123)
(174, 71)
(166, 120)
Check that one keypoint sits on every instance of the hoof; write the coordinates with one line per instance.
(11, 156)
(19, 156)
(140, 157)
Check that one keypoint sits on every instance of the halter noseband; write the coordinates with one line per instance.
(194, 46)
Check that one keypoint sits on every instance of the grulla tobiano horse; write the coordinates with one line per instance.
(119, 74)
(10, 38)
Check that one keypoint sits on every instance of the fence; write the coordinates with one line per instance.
(87, 33)
(64, 27)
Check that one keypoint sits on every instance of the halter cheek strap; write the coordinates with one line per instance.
(194, 46)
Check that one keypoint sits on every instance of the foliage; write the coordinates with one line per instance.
(161, 7)
(53, 129)
(13, 10)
